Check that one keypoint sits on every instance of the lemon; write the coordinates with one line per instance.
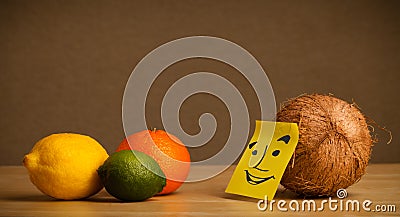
(64, 165)
(132, 176)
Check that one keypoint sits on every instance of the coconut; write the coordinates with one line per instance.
(334, 145)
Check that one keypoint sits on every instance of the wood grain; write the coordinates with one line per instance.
(18, 197)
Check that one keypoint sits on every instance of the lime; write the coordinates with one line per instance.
(127, 175)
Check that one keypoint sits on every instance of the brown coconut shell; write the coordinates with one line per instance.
(334, 145)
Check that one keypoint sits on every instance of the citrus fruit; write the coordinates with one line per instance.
(169, 152)
(131, 176)
(64, 165)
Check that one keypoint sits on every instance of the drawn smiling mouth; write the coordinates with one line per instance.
(254, 180)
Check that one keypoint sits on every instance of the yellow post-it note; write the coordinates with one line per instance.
(265, 159)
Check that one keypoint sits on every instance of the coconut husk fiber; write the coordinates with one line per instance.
(334, 145)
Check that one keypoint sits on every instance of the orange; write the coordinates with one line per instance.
(169, 152)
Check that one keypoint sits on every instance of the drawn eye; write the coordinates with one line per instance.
(251, 145)
(254, 152)
(284, 139)
(276, 153)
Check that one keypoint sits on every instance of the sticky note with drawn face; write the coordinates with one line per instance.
(264, 161)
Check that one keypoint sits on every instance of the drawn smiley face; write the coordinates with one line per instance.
(255, 180)
(264, 160)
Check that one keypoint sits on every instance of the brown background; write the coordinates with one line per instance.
(64, 64)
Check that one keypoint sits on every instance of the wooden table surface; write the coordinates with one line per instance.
(18, 197)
